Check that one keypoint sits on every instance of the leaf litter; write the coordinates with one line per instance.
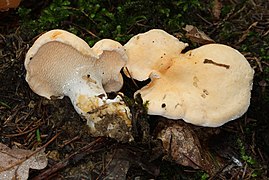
(16, 94)
(15, 163)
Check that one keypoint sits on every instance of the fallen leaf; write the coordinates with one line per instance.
(216, 9)
(181, 144)
(197, 36)
(15, 163)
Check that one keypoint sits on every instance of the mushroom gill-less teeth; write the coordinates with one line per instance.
(206, 86)
(61, 64)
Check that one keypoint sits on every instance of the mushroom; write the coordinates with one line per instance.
(61, 64)
(207, 86)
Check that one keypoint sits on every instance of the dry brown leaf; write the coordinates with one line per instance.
(216, 9)
(15, 163)
(5, 5)
(181, 145)
(197, 36)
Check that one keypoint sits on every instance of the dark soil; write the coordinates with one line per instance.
(74, 154)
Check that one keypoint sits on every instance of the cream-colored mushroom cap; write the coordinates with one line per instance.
(207, 86)
(146, 51)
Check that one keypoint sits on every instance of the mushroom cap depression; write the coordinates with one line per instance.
(207, 86)
(59, 58)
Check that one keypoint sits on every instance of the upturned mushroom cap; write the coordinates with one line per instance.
(147, 51)
(113, 59)
(207, 86)
(58, 58)
(61, 64)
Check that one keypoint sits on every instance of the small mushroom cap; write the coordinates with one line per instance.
(207, 86)
(113, 57)
(58, 59)
(146, 51)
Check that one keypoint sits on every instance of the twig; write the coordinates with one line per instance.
(246, 33)
(257, 61)
(267, 64)
(82, 28)
(29, 125)
(129, 74)
(10, 118)
(259, 151)
(204, 19)
(237, 12)
(24, 117)
(266, 33)
(19, 134)
(69, 141)
(244, 172)
(10, 98)
(105, 166)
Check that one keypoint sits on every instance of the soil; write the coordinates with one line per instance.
(240, 147)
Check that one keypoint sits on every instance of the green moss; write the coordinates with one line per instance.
(108, 19)
(247, 158)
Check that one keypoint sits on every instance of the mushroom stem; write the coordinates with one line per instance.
(105, 117)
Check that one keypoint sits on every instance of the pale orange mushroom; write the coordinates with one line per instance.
(206, 86)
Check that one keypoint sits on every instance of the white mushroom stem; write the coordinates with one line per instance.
(86, 95)
(91, 102)
(61, 64)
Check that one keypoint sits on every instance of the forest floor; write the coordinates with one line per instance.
(28, 121)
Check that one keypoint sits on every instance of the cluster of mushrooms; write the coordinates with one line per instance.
(206, 86)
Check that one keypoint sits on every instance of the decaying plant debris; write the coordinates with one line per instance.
(238, 149)
(15, 163)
